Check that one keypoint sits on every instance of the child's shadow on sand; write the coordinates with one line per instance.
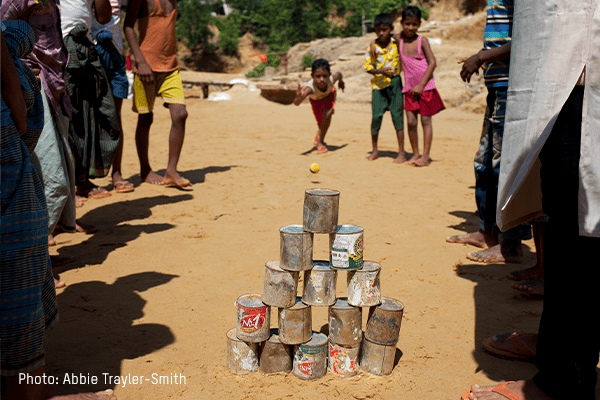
(96, 331)
(330, 147)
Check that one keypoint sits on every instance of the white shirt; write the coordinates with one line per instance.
(316, 93)
(114, 26)
(552, 43)
(73, 13)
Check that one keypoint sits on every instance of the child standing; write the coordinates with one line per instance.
(320, 91)
(383, 62)
(421, 95)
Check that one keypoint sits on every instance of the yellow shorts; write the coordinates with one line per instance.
(166, 84)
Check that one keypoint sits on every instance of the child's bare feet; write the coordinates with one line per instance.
(509, 390)
(51, 241)
(422, 161)
(401, 159)
(506, 252)
(91, 191)
(477, 239)
(413, 159)
(321, 148)
(374, 155)
(532, 286)
(152, 178)
(79, 200)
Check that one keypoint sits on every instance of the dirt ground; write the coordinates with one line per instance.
(153, 291)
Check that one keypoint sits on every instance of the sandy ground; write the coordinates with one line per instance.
(153, 291)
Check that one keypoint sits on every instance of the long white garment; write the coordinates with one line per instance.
(553, 42)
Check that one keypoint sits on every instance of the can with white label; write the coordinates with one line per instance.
(319, 285)
(346, 247)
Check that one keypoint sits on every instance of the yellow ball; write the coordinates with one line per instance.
(314, 168)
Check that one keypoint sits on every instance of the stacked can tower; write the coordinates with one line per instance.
(294, 347)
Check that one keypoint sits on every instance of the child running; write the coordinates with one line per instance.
(320, 91)
(421, 95)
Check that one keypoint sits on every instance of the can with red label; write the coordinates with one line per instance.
(253, 318)
(343, 360)
(310, 358)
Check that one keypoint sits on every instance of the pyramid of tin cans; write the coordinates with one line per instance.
(294, 347)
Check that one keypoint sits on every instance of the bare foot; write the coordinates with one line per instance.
(513, 390)
(401, 159)
(413, 159)
(533, 286)
(176, 180)
(321, 148)
(317, 139)
(79, 200)
(374, 155)
(505, 252)
(422, 161)
(153, 178)
(59, 284)
(525, 274)
(83, 228)
(477, 239)
(51, 241)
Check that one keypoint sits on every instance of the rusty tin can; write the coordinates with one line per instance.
(383, 324)
(281, 287)
(343, 360)
(275, 356)
(377, 359)
(346, 247)
(345, 323)
(242, 357)
(295, 323)
(363, 285)
(310, 358)
(253, 318)
(319, 285)
(295, 248)
(321, 208)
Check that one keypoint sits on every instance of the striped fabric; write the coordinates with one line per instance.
(94, 128)
(27, 296)
(498, 31)
(19, 38)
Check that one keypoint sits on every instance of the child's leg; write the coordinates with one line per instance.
(424, 159)
(142, 142)
(401, 158)
(379, 104)
(412, 122)
(179, 115)
(323, 128)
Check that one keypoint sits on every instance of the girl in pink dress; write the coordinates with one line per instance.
(420, 94)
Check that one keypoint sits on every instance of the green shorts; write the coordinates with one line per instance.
(389, 98)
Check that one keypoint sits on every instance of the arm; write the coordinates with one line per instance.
(301, 94)
(472, 64)
(133, 10)
(103, 11)
(371, 62)
(11, 90)
(337, 77)
(431, 64)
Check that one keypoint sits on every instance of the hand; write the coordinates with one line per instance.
(145, 72)
(416, 91)
(373, 50)
(470, 66)
(341, 85)
(36, 72)
(387, 71)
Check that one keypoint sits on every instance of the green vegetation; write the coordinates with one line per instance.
(272, 61)
(279, 23)
(307, 60)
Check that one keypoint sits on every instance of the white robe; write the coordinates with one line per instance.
(552, 43)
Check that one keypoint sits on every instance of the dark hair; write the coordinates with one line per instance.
(320, 63)
(384, 19)
(411, 12)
